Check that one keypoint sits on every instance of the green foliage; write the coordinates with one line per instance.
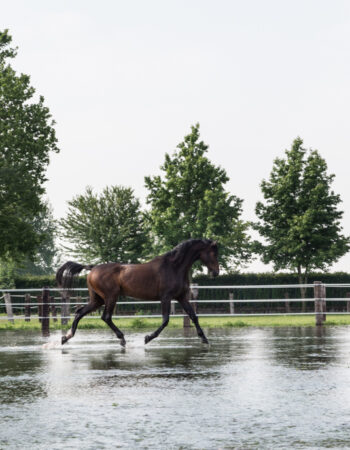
(106, 227)
(268, 278)
(24, 281)
(300, 220)
(47, 258)
(138, 323)
(27, 137)
(31, 281)
(7, 275)
(190, 202)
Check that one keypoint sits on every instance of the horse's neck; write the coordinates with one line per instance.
(190, 258)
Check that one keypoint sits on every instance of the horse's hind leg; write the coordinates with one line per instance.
(94, 303)
(107, 317)
(165, 313)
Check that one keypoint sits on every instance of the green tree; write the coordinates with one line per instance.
(106, 227)
(190, 201)
(7, 274)
(47, 256)
(300, 220)
(27, 137)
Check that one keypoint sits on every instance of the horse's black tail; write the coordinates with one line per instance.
(65, 274)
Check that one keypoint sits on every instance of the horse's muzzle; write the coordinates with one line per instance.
(214, 273)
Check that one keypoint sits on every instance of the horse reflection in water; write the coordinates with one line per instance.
(164, 278)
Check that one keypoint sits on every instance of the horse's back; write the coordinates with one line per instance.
(134, 280)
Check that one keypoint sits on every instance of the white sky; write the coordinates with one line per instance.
(125, 80)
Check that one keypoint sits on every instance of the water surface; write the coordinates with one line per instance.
(252, 388)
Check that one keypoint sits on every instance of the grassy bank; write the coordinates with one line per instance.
(177, 322)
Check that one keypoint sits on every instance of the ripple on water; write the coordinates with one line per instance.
(265, 388)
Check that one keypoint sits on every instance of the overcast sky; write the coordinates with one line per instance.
(125, 80)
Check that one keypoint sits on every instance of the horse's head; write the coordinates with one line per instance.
(209, 257)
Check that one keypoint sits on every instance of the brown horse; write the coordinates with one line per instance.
(164, 278)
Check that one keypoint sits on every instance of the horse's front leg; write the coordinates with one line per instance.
(186, 305)
(165, 313)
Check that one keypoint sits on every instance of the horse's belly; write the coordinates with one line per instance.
(139, 284)
(140, 294)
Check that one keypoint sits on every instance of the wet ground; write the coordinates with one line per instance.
(252, 388)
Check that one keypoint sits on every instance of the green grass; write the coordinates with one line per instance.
(177, 322)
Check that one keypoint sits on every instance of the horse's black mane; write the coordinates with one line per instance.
(178, 253)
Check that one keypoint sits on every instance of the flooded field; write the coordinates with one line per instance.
(252, 388)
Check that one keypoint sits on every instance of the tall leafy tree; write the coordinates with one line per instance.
(300, 220)
(47, 256)
(27, 137)
(106, 227)
(190, 201)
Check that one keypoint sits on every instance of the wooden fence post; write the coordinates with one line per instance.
(65, 308)
(45, 323)
(53, 309)
(27, 301)
(318, 302)
(8, 305)
(193, 296)
(287, 302)
(79, 301)
(347, 295)
(232, 305)
(172, 308)
(324, 295)
(39, 299)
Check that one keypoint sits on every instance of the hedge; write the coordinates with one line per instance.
(23, 282)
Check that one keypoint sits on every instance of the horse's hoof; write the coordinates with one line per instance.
(147, 339)
(63, 340)
(205, 341)
(122, 342)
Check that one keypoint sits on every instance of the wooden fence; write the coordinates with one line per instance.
(47, 306)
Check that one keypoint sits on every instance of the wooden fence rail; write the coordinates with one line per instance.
(46, 304)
